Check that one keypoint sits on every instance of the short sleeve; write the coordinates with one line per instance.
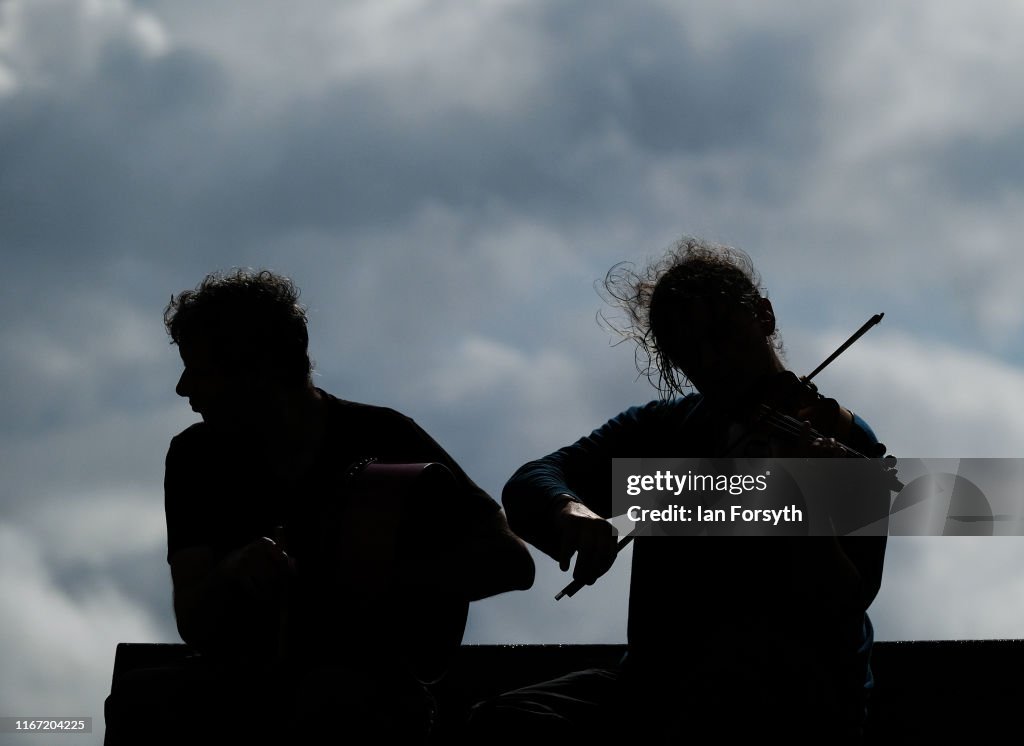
(182, 501)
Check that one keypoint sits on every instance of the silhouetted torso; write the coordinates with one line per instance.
(220, 493)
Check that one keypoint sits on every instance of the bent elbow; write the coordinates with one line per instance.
(189, 631)
(511, 569)
(524, 569)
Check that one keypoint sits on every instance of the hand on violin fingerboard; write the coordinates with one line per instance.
(827, 418)
(814, 445)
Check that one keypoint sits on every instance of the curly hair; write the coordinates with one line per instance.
(650, 299)
(253, 319)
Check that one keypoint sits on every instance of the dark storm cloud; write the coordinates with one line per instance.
(363, 155)
(147, 155)
(93, 172)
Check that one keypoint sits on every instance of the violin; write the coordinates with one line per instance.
(785, 409)
(791, 410)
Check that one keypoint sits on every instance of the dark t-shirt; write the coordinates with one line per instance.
(220, 494)
(708, 605)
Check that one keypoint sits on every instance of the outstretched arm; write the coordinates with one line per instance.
(559, 503)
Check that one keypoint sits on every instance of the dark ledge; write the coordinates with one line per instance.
(926, 691)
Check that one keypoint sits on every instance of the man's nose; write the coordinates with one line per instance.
(184, 387)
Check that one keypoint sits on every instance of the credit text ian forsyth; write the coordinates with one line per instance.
(716, 486)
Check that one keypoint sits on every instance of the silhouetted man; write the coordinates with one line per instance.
(271, 537)
(745, 637)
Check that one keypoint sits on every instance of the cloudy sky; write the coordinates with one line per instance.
(445, 181)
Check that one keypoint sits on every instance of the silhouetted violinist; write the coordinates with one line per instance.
(745, 638)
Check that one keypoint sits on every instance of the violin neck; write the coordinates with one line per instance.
(791, 427)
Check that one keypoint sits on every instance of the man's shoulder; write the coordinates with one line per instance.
(675, 409)
(657, 419)
(371, 425)
(196, 434)
(353, 410)
(199, 451)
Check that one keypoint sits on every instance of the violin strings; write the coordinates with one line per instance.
(794, 427)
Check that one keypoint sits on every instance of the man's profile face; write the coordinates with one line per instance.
(222, 397)
(724, 346)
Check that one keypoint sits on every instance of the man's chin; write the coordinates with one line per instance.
(232, 426)
(217, 421)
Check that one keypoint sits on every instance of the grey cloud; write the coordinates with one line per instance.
(89, 173)
(151, 141)
(980, 169)
(142, 577)
(758, 92)
(414, 223)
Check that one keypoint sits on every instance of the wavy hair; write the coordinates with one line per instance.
(650, 298)
(252, 317)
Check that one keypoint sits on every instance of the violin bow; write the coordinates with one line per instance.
(842, 348)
